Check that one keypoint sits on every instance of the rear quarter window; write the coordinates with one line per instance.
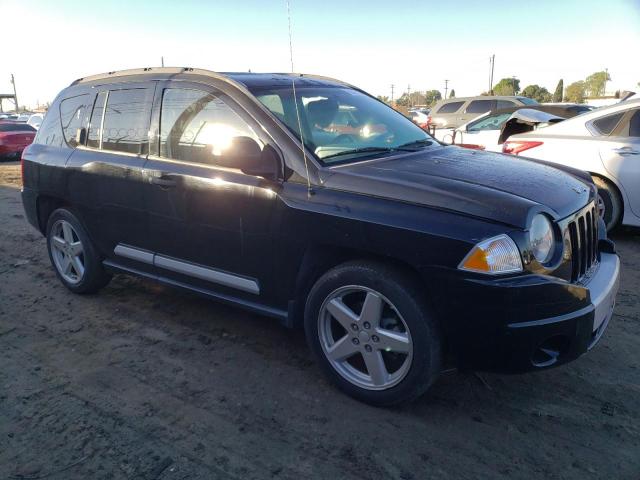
(605, 125)
(50, 132)
(72, 117)
(450, 107)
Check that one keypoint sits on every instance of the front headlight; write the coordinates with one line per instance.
(541, 238)
(493, 256)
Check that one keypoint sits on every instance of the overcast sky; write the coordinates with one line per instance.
(371, 43)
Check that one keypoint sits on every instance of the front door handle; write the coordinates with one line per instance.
(626, 151)
(163, 180)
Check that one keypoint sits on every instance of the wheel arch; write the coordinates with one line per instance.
(46, 205)
(319, 259)
(613, 182)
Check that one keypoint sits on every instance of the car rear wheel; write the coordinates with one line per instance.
(372, 333)
(73, 255)
(609, 203)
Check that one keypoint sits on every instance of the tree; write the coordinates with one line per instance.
(536, 92)
(507, 86)
(452, 94)
(557, 95)
(595, 83)
(575, 92)
(432, 96)
(383, 98)
(429, 97)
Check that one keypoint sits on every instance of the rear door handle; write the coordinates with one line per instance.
(163, 180)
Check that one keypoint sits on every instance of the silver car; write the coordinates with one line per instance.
(605, 143)
(453, 112)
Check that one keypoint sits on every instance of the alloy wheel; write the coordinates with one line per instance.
(364, 338)
(67, 252)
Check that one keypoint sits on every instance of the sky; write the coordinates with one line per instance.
(372, 44)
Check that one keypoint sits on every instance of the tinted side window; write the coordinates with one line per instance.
(126, 121)
(95, 126)
(504, 104)
(450, 107)
(72, 113)
(480, 106)
(197, 126)
(605, 125)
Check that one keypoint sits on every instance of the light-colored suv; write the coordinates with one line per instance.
(453, 112)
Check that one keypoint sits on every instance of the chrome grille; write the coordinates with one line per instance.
(583, 234)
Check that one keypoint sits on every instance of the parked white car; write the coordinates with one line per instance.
(605, 143)
(35, 120)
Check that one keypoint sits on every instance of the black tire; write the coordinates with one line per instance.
(611, 200)
(94, 277)
(407, 298)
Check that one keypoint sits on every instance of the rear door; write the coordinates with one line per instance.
(474, 109)
(210, 225)
(105, 170)
(620, 153)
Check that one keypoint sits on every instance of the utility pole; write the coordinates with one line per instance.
(513, 83)
(409, 95)
(606, 75)
(162, 61)
(15, 95)
(492, 61)
(446, 88)
(392, 87)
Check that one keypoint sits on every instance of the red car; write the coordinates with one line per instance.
(14, 137)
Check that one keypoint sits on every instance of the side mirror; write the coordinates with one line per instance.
(244, 153)
(81, 136)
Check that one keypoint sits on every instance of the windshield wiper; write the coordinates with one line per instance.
(360, 150)
(418, 143)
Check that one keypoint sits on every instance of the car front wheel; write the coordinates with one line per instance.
(372, 333)
(609, 203)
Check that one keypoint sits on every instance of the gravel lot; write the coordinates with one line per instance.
(145, 382)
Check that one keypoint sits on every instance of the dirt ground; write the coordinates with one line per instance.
(145, 382)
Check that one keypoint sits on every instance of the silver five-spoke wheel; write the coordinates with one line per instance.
(365, 338)
(67, 251)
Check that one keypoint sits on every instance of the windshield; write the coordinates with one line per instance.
(528, 101)
(340, 124)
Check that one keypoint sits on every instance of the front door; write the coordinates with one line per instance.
(210, 224)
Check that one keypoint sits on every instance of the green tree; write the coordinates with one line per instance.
(452, 94)
(429, 97)
(575, 92)
(383, 98)
(432, 96)
(537, 92)
(507, 86)
(557, 95)
(595, 83)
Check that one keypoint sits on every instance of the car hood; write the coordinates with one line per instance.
(501, 188)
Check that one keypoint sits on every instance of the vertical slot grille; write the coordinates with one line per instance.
(583, 234)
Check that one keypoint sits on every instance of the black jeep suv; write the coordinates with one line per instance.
(306, 199)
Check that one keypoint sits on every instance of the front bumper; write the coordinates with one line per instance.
(530, 322)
